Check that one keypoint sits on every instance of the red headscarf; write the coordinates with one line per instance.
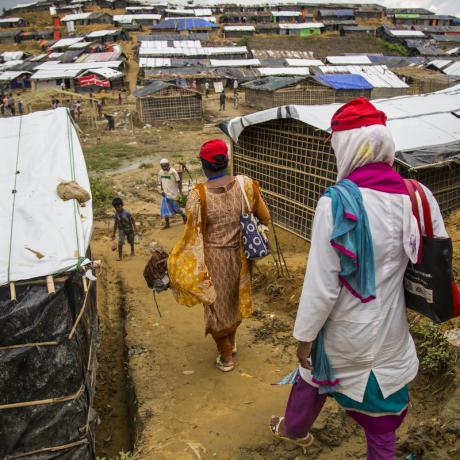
(215, 152)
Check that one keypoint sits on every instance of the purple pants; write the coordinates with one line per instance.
(305, 404)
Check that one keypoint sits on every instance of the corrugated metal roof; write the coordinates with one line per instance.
(76, 17)
(100, 57)
(235, 62)
(12, 74)
(189, 52)
(446, 38)
(343, 81)
(239, 29)
(286, 13)
(66, 42)
(415, 121)
(203, 12)
(453, 69)
(378, 76)
(79, 46)
(154, 87)
(105, 72)
(53, 74)
(101, 33)
(348, 60)
(10, 20)
(272, 83)
(303, 62)
(266, 71)
(154, 62)
(10, 64)
(406, 33)
(12, 55)
(180, 11)
(280, 54)
(304, 25)
(128, 18)
(53, 65)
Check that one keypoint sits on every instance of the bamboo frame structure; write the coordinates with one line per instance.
(172, 103)
(306, 92)
(294, 166)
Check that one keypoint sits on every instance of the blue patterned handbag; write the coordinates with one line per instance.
(255, 242)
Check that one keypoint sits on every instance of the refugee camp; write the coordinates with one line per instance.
(231, 230)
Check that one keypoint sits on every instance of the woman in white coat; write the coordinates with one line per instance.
(352, 307)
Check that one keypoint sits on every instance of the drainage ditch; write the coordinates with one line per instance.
(114, 401)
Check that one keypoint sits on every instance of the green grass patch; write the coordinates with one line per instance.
(101, 192)
(102, 157)
(433, 348)
(395, 47)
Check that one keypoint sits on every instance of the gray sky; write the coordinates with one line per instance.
(438, 6)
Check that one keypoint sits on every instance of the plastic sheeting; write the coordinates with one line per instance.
(40, 374)
(343, 81)
(42, 234)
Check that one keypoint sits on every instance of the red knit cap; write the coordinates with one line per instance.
(214, 151)
(355, 114)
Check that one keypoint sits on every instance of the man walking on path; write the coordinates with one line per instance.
(222, 101)
(206, 89)
(171, 187)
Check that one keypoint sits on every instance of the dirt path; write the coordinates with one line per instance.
(186, 409)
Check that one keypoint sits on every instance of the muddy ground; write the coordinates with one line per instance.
(158, 394)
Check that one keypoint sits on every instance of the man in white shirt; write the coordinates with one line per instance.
(171, 187)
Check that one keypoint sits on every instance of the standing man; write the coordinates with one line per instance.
(20, 105)
(12, 104)
(222, 101)
(171, 187)
(99, 109)
(206, 89)
(78, 110)
(235, 87)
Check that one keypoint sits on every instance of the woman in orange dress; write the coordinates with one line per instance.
(211, 249)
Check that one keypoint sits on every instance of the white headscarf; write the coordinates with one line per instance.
(358, 147)
(374, 144)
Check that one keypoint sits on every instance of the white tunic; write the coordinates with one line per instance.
(169, 181)
(362, 337)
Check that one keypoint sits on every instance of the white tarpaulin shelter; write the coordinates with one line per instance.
(41, 234)
(415, 121)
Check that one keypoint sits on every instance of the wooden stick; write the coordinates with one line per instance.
(48, 449)
(85, 283)
(43, 401)
(13, 292)
(74, 328)
(50, 285)
(30, 345)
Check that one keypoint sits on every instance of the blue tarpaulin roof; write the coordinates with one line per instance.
(185, 24)
(343, 81)
(345, 13)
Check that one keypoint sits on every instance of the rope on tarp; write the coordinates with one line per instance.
(14, 191)
(72, 174)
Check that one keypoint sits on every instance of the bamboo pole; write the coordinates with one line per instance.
(50, 285)
(13, 292)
